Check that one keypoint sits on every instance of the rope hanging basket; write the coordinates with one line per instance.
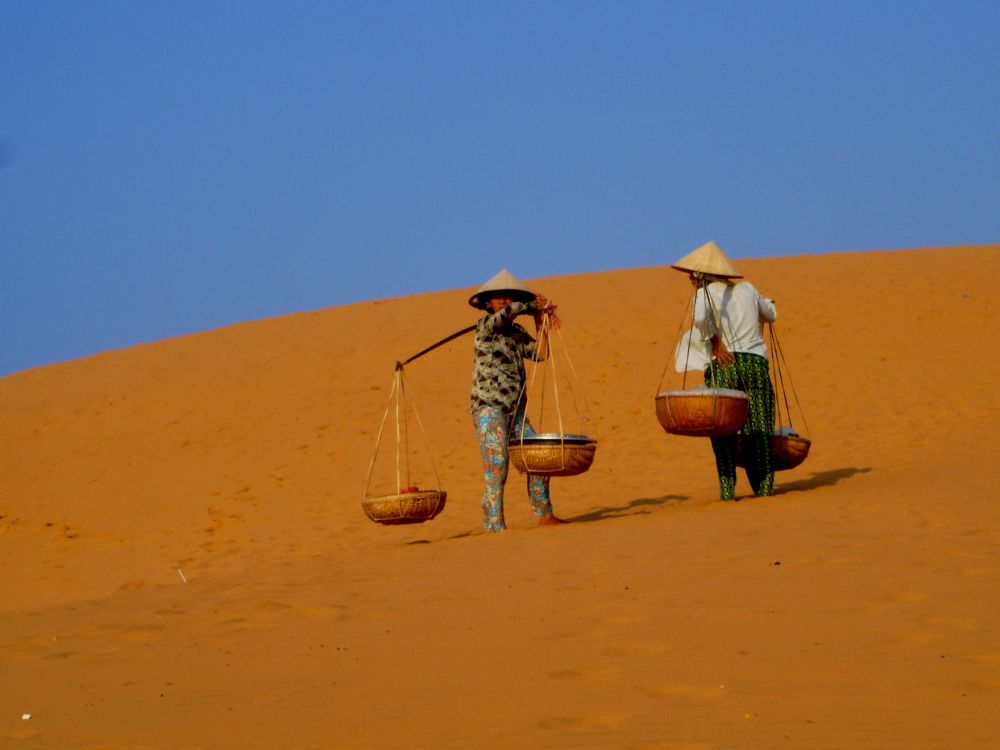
(405, 507)
(408, 504)
(720, 412)
(702, 412)
(551, 454)
(790, 450)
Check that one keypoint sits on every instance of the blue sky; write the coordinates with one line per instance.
(171, 167)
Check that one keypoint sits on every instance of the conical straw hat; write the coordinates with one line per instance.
(504, 281)
(710, 259)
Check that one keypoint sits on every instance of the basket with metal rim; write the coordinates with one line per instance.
(552, 454)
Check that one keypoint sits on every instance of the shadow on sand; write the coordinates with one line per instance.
(640, 506)
(820, 479)
(635, 507)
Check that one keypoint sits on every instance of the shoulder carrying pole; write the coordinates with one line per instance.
(432, 347)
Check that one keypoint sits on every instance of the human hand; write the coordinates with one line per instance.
(545, 307)
(721, 352)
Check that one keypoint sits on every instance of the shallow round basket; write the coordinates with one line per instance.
(702, 412)
(789, 451)
(406, 507)
(551, 454)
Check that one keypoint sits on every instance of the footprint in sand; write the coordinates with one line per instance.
(582, 723)
(982, 570)
(583, 673)
(20, 734)
(141, 632)
(61, 655)
(314, 611)
(687, 694)
(625, 620)
(988, 658)
(909, 596)
(635, 649)
(964, 624)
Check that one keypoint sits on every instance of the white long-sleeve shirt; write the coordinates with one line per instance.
(736, 314)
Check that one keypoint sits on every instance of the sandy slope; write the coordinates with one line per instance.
(857, 608)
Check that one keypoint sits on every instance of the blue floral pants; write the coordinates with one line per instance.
(494, 428)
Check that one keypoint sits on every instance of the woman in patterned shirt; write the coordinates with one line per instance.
(498, 398)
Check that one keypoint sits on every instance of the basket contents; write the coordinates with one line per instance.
(409, 506)
(409, 503)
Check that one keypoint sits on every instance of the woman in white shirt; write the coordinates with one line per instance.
(728, 317)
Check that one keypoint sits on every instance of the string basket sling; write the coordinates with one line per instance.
(700, 411)
(790, 447)
(553, 454)
(408, 504)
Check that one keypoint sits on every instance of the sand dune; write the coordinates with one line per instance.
(186, 563)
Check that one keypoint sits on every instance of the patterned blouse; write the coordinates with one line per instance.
(501, 346)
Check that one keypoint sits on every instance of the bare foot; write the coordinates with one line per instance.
(550, 520)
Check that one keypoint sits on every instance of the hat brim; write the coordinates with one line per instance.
(708, 273)
(709, 259)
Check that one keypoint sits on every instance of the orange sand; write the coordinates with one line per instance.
(855, 609)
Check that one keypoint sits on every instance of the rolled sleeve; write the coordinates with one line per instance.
(767, 309)
(503, 318)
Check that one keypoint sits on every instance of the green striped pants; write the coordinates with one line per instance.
(749, 374)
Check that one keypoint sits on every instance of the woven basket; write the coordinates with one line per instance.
(406, 507)
(552, 457)
(702, 412)
(789, 451)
